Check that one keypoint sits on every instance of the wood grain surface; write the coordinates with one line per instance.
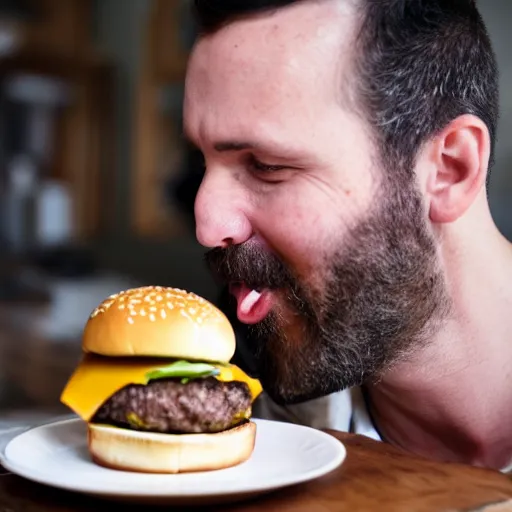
(374, 477)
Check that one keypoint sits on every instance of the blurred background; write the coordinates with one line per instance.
(96, 184)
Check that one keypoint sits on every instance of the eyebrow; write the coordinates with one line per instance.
(283, 151)
(224, 146)
(234, 146)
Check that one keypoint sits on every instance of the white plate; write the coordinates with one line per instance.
(285, 454)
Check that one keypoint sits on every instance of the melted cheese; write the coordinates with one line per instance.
(96, 379)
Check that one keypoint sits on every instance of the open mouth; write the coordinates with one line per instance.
(253, 305)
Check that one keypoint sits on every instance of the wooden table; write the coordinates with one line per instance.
(374, 477)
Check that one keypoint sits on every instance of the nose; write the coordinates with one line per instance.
(219, 212)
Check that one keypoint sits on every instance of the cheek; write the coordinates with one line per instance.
(300, 232)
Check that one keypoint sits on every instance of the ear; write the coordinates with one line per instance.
(460, 156)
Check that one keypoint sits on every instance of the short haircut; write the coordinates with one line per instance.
(420, 64)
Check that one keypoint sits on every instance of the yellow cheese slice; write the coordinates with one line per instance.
(96, 379)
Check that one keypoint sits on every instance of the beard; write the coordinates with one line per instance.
(382, 296)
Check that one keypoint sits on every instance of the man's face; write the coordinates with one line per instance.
(330, 261)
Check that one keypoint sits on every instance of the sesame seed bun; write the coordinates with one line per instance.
(144, 452)
(155, 321)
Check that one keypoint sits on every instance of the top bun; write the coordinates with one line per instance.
(154, 321)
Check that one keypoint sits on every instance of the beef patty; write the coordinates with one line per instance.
(168, 406)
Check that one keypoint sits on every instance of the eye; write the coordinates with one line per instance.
(261, 167)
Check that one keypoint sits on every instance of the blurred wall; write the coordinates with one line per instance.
(119, 32)
(497, 15)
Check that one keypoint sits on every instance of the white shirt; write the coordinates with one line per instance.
(344, 411)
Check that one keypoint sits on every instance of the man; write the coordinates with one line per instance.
(347, 145)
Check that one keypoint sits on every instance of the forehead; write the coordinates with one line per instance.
(273, 66)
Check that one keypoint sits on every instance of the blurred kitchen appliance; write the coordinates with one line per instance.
(36, 210)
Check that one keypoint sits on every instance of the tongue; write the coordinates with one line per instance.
(253, 306)
(247, 302)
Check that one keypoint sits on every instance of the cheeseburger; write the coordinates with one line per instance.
(156, 388)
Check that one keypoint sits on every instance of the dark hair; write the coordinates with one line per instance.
(421, 64)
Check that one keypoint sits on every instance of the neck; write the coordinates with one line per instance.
(453, 401)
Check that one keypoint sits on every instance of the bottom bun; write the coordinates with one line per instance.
(147, 452)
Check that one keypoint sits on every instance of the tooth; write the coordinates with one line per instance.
(249, 301)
